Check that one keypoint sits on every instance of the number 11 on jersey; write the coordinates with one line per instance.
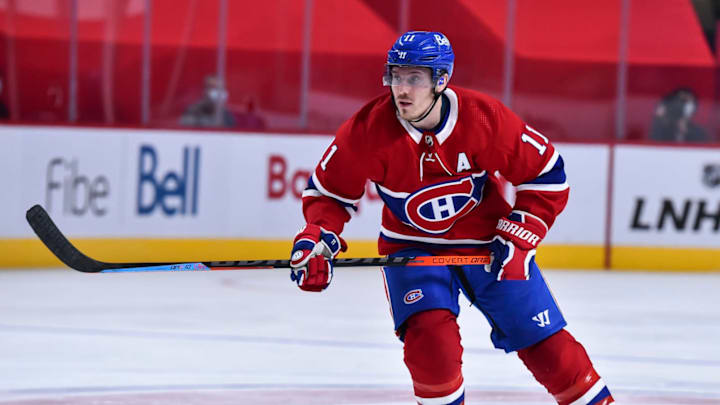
(528, 139)
(325, 161)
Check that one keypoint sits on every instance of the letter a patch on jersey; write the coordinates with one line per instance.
(463, 163)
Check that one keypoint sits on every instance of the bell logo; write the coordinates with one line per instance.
(441, 40)
(175, 192)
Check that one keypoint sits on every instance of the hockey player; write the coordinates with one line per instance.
(432, 152)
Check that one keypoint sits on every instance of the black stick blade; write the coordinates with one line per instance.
(58, 244)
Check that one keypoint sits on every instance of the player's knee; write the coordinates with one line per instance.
(432, 340)
(561, 364)
(433, 355)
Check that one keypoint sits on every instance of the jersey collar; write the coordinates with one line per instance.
(446, 130)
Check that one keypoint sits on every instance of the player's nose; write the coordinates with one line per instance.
(402, 89)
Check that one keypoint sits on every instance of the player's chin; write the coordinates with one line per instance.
(408, 114)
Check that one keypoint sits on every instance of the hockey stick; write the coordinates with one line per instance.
(61, 247)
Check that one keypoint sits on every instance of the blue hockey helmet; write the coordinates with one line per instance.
(421, 48)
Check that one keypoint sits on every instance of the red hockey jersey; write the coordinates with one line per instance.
(439, 189)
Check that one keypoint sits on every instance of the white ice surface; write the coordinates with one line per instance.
(654, 337)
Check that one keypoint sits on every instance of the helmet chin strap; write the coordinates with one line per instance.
(435, 99)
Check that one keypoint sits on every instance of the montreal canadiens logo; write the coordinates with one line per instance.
(413, 296)
(436, 208)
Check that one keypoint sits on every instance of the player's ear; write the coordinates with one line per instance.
(442, 83)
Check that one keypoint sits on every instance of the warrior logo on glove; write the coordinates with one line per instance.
(513, 248)
(518, 231)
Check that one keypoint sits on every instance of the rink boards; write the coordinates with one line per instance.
(126, 194)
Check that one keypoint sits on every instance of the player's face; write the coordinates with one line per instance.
(412, 88)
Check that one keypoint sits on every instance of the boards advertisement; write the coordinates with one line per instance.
(238, 195)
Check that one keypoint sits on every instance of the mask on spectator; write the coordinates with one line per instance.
(217, 94)
(689, 109)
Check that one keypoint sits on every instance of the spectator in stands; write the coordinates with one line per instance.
(204, 113)
(248, 118)
(673, 119)
(4, 112)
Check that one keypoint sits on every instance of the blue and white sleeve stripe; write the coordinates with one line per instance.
(315, 189)
(551, 178)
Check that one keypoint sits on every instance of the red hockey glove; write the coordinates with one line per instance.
(514, 246)
(311, 257)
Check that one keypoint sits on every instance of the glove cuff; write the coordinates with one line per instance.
(332, 243)
(316, 240)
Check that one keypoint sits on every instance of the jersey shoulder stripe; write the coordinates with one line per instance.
(551, 178)
(315, 189)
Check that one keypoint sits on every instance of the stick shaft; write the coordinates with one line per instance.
(408, 261)
(64, 250)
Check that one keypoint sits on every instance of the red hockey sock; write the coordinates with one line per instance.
(561, 364)
(433, 355)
